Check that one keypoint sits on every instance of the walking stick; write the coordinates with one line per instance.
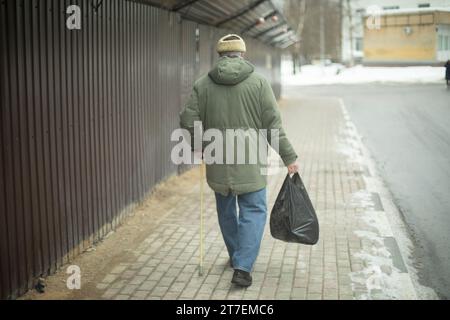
(200, 268)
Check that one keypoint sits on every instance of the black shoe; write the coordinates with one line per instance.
(241, 278)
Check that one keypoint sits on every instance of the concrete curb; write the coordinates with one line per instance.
(391, 270)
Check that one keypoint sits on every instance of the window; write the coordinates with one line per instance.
(391, 7)
(424, 5)
(359, 44)
(441, 43)
(446, 43)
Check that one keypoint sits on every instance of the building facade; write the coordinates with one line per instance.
(409, 37)
(353, 21)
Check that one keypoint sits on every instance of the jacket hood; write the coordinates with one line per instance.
(231, 71)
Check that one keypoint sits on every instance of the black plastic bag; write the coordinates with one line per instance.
(293, 218)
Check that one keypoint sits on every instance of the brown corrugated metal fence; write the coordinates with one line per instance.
(86, 118)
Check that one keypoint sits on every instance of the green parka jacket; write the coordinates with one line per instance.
(233, 96)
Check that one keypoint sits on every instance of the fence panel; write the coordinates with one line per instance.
(86, 117)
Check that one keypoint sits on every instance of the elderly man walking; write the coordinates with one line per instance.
(234, 96)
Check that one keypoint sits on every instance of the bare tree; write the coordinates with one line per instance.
(322, 30)
(295, 11)
(321, 33)
(351, 29)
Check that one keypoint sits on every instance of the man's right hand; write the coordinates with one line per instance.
(293, 168)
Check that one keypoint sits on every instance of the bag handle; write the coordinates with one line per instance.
(294, 176)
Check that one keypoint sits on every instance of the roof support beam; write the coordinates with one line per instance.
(278, 35)
(247, 29)
(262, 33)
(183, 5)
(287, 44)
(241, 12)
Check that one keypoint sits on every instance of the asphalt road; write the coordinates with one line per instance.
(407, 130)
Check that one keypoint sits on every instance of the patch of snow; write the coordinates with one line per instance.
(378, 278)
(348, 151)
(372, 236)
(381, 279)
(378, 220)
(414, 10)
(339, 74)
(362, 199)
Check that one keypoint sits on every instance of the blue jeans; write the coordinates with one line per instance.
(242, 234)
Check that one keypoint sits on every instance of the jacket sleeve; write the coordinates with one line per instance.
(271, 119)
(190, 115)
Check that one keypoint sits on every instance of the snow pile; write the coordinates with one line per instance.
(374, 275)
(378, 278)
(339, 74)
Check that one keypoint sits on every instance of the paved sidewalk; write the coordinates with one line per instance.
(357, 256)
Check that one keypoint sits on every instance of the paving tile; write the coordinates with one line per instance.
(165, 265)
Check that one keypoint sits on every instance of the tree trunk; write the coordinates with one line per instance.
(350, 30)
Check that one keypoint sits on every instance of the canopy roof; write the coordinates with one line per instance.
(260, 19)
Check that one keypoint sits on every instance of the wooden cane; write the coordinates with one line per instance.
(202, 178)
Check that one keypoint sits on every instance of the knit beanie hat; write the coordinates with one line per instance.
(231, 43)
